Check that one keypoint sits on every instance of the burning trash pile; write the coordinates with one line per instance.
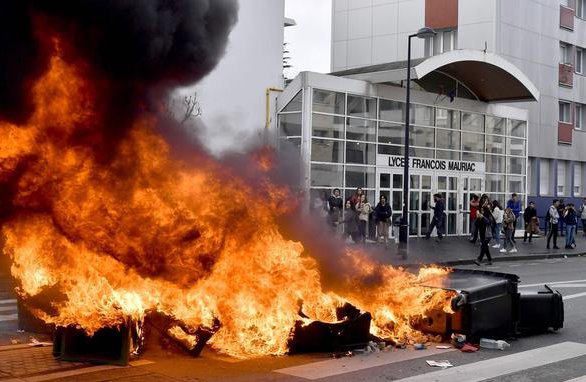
(111, 227)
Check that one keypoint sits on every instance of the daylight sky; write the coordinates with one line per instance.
(309, 41)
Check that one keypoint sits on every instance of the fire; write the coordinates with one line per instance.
(145, 232)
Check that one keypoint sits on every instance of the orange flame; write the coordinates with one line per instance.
(145, 232)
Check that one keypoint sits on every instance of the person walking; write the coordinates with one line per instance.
(498, 215)
(382, 216)
(582, 212)
(515, 205)
(336, 209)
(474, 204)
(509, 228)
(484, 224)
(528, 215)
(364, 209)
(437, 221)
(554, 217)
(571, 219)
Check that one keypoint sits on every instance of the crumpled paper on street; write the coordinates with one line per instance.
(443, 364)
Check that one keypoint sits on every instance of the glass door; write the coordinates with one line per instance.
(471, 185)
(447, 186)
(420, 201)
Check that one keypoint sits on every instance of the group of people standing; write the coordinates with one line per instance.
(350, 219)
(560, 216)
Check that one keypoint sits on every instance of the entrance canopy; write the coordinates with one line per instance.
(461, 73)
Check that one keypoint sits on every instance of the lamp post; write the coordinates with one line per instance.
(404, 229)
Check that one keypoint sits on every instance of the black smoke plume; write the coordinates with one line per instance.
(140, 48)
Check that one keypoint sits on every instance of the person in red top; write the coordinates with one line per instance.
(356, 197)
(474, 204)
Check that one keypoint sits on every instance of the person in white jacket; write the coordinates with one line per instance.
(582, 212)
(497, 214)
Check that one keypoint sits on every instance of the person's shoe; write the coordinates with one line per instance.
(496, 246)
(514, 250)
(524, 240)
(477, 262)
(489, 263)
(426, 237)
(503, 250)
(556, 247)
(472, 241)
(530, 240)
(568, 247)
(547, 247)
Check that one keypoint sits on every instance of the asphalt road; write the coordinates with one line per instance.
(559, 356)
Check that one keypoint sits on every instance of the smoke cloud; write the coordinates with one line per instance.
(139, 48)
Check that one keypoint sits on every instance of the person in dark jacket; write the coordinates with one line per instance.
(351, 222)
(561, 212)
(474, 206)
(382, 218)
(437, 221)
(571, 220)
(484, 223)
(515, 205)
(528, 215)
(335, 210)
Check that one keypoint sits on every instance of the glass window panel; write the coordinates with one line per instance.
(453, 183)
(361, 130)
(414, 201)
(452, 201)
(413, 224)
(450, 155)
(495, 183)
(421, 115)
(517, 166)
(448, 139)
(472, 157)
(426, 201)
(290, 145)
(414, 181)
(398, 181)
(421, 136)
(390, 150)
(447, 118)
(328, 102)
(397, 203)
(392, 133)
(495, 163)
(473, 122)
(515, 146)
(385, 180)
(472, 142)
(290, 125)
(475, 184)
(517, 128)
(495, 144)
(393, 111)
(361, 153)
(452, 220)
(327, 151)
(361, 107)
(426, 182)
(326, 175)
(516, 184)
(421, 153)
(495, 125)
(328, 126)
(295, 104)
(425, 222)
(360, 176)
(442, 183)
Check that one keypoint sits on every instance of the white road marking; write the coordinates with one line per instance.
(7, 308)
(552, 283)
(9, 301)
(562, 286)
(572, 296)
(9, 317)
(340, 366)
(499, 366)
(578, 379)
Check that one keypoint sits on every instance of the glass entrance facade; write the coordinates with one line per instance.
(347, 140)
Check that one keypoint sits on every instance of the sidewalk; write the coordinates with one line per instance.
(454, 251)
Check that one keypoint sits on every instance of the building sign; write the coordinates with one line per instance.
(431, 164)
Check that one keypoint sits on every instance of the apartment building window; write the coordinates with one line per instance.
(565, 112)
(444, 41)
(544, 177)
(580, 60)
(565, 54)
(581, 9)
(580, 116)
(565, 3)
(561, 186)
(577, 179)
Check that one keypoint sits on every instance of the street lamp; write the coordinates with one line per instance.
(404, 229)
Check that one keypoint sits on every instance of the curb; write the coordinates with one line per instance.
(502, 259)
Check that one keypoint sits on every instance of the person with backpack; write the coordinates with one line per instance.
(509, 228)
(382, 218)
(582, 212)
(484, 224)
(571, 219)
(498, 215)
(528, 215)
(553, 217)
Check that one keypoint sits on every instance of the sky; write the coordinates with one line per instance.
(309, 41)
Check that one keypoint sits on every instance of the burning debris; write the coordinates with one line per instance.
(104, 225)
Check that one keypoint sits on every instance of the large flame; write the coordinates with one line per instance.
(146, 232)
